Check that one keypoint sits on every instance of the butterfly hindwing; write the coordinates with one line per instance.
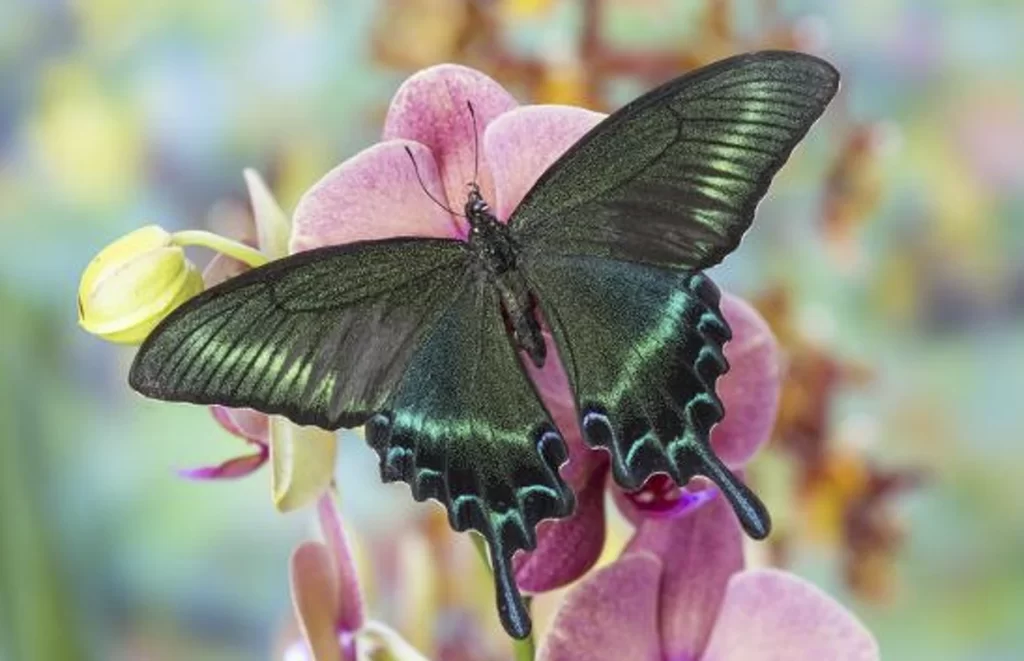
(404, 335)
(642, 347)
(466, 427)
(674, 177)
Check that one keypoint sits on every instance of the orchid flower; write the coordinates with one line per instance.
(328, 603)
(679, 593)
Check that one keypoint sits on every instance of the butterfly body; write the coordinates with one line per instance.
(420, 338)
(497, 256)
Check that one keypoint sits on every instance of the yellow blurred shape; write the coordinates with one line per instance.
(961, 212)
(296, 14)
(90, 144)
(897, 287)
(517, 10)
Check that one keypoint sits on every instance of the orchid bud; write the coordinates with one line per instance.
(133, 284)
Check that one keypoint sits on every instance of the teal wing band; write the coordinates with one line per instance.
(643, 349)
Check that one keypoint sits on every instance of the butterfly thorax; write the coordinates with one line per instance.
(496, 251)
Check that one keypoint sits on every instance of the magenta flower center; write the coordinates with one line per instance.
(660, 497)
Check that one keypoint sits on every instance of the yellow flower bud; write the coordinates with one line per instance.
(133, 284)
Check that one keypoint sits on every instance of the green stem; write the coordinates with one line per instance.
(525, 649)
(222, 244)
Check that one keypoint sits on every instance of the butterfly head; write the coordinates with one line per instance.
(477, 208)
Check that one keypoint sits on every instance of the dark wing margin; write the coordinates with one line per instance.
(466, 427)
(321, 337)
(673, 178)
(642, 347)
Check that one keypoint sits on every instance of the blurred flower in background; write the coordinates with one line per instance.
(886, 261)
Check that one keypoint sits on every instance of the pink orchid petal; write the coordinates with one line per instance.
(230, 469)
(750, 389)
(431, 108)
(373, 195)
(315, 595)
(611, 615)
(771, 615)
(222, 268)
(552, 385)
(566, 548)
(522, 144)
(251, 425)
(350, 613)
(700, 551)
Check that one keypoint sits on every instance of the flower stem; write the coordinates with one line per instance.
(525, 649)
(230, 247)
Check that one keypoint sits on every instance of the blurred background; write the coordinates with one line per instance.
(889, 259)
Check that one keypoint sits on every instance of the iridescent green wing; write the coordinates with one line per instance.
(402, 334)
(466, 427)
(642, 347)
(321, 337)
(674, 177)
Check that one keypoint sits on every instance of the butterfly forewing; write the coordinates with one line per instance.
(673, 178)
(321, 337)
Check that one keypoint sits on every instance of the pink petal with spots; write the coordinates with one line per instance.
(350, 612)
(230, 469)
(612, 615)
(770, 615)
(251, 425)
(373, 195)
(566, 548)
(700, 551)
(431, 108)
(750, 389)
(522, 144)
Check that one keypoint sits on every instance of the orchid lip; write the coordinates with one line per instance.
(661, 498)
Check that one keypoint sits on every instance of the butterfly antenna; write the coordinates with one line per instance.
(476, 142)
(416, 169)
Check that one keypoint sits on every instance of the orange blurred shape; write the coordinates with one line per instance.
(842, 480)
(564, 84)
(853, 189)
(812, 378)
(413, 34)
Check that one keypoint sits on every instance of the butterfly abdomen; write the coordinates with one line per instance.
(497, 258)
(521, 315)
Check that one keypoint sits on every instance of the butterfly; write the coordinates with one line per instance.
(424, 340)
